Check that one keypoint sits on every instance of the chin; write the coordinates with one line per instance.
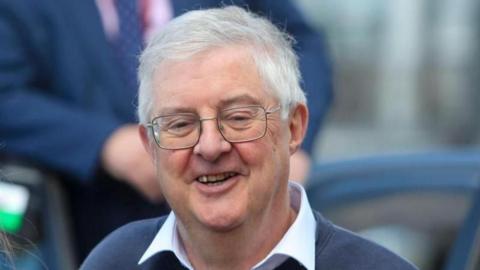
(221, 223)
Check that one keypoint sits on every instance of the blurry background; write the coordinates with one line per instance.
(406, 75)
(406, 80)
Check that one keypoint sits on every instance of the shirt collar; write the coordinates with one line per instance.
(167, 239)
(298, 242)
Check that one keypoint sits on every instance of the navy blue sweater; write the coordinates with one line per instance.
(335, 249)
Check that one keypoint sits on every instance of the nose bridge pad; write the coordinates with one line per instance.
(217, 125)
(212, 145)
(220, 127)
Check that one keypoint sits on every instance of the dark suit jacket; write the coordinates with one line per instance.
(62, 95)
(335, 249)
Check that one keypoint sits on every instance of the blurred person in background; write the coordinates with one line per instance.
(221, 112)
(67, 91)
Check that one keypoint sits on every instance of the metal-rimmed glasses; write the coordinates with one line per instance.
(237, 125)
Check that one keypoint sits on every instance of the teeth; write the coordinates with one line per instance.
(214, 178)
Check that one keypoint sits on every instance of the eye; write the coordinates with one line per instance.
(179, 125)
(240, 117)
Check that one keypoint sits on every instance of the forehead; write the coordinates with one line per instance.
(215, 78)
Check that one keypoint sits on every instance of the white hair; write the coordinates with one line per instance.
(198, 31)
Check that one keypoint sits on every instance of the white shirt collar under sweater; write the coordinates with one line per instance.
(298, 242)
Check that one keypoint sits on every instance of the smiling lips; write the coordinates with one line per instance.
(216, 178)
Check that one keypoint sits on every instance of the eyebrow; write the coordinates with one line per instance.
(244, 99)
(174, 110)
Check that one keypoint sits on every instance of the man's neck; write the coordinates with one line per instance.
(239, 248)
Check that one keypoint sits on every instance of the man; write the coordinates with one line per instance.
(221, 112)
(68, 107)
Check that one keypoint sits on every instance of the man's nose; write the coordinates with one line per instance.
(211, 144)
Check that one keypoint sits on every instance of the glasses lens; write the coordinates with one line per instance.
(243, 124)
(176, 131)
(236, 125)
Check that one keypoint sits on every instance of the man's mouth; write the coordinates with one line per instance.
(215, 179)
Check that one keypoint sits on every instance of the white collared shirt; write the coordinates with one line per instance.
(298, 242)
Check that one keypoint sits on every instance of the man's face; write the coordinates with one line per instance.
(252, 175)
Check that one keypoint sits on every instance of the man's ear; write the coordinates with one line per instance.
(298, 126)
(143, 132)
